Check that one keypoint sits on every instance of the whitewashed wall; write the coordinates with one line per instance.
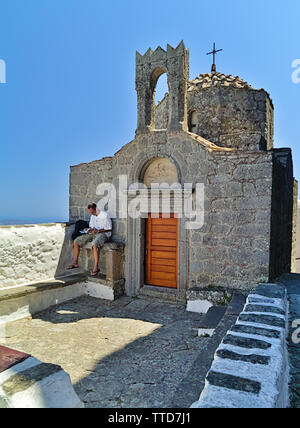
(33, 253)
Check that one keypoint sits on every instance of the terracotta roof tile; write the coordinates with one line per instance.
(210, 80)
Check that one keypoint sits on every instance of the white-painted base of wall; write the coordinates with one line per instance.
(99, 291)
(198, 306)
(204, 332)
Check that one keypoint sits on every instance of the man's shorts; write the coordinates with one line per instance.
(97, 240)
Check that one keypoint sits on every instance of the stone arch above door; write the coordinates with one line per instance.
(145, 159)
(160, 170)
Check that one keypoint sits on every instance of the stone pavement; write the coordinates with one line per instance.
(128, 353)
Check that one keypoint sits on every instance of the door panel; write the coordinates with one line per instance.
(161, 249)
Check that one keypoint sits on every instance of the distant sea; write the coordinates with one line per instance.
(15, 222)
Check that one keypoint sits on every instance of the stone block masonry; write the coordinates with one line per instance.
(250, 369)
(296, 223)
(227, 111)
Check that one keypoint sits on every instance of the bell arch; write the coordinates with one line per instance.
(149, 68)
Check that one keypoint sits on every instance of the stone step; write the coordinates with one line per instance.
(211, 320)
(162, 293)
(237, 303)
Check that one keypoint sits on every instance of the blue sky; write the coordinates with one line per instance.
(70, 92)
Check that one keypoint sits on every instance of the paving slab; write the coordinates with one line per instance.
(129, 353)
(213, 317)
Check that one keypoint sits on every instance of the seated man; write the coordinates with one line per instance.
(98, 233)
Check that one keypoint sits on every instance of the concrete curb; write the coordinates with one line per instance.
(250, 368)
(33, 384)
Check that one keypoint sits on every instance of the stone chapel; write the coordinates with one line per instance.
(216, 130)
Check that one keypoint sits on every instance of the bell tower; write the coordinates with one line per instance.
(149, 67)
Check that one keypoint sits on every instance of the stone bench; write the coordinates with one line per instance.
(114, 259)
(110, 283)
(45, 281)
(26, 382)
(27, 300)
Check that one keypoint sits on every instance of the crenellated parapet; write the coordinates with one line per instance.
(149, 67)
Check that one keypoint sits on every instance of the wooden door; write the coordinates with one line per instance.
(161, 251)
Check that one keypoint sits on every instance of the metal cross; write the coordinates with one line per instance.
(214, 52)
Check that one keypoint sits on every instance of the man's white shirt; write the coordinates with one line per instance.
(102, 221)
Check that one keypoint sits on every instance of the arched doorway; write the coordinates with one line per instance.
(161, 229)
(159, 170)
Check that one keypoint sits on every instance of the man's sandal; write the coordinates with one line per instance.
(95, 272)
(73, 267)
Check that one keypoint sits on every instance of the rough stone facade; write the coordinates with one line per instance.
(228, 112)
(295, 230)
(284, 211)
(230, 151)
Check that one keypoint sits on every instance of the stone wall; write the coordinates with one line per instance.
(297, 264)
(295, 238)
(282, 213)
(33, 253)
(232, 249)
(240, 118)
(84, 179)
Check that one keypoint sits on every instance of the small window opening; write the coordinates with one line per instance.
(193, 122)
